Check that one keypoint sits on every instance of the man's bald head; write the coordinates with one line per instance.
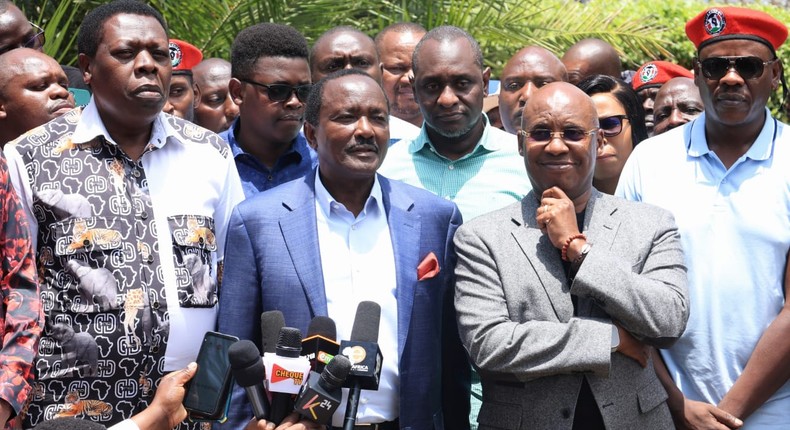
(677, 102)
(591, 57)
(529, 69)
(15, 30)
(555, 98)
(344, 47)
(215, 109)
(565, 160)
(33, 91)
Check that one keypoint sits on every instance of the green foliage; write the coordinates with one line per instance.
(641, 30)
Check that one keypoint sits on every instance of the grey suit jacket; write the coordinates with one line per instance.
(517, 322)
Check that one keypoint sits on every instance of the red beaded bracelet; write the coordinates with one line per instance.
(568, 243)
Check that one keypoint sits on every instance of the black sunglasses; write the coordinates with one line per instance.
(612, 125)
(543, 135)
(747, 67)
(282, 92)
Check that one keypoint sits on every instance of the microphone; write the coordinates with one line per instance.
(320, 345)
(322, 394)
(365, 356)
(271, 323)
(285, 372)
(249, 373)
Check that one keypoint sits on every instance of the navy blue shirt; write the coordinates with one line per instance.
(255, 177)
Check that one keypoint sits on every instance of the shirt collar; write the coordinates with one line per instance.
(91, 126)
(299, 144)
(326, 201)
(423, 143)
(697, 142)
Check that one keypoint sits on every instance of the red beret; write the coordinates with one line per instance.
(656, 73)
(184, 56)
(723, 23)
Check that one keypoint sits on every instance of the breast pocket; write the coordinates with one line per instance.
(89, 251)
(193, 242)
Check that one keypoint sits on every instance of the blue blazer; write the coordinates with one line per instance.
(272, 262)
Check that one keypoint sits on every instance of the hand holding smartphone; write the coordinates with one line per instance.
(208, 392)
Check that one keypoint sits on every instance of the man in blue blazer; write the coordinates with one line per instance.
(343, 234)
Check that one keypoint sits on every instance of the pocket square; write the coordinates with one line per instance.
(428, 267)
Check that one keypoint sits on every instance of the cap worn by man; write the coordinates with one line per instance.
(648, 79)
(182, 99)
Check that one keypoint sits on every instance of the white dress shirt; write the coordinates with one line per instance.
(359, 264)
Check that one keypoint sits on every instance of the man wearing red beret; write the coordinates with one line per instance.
(726, 179)
(181, 100)
(647, 81)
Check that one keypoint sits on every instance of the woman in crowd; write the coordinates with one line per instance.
(622, 120)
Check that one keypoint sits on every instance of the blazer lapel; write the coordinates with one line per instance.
(404, 227)
(301, 238)
(600, 222)
(543, 257)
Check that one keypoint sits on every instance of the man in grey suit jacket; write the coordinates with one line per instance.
(557, 321)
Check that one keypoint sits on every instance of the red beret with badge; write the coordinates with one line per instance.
(723, 23)
(184, 56)
(653, 74)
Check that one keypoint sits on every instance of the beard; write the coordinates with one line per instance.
(454, 133)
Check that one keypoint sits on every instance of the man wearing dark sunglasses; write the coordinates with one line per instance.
(726, 179)
(270, 82)
(16, 31)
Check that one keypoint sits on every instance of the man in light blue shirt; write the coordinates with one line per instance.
(726, 178)
(457, 155)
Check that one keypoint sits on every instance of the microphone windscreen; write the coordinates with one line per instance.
(246, 363)
(289, 344)
(366, 322)
(322, 326)
(271, 323)
(336, 372)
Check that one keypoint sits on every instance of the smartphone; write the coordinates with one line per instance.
(207, 394)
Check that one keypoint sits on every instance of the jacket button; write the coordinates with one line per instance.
(566, 413)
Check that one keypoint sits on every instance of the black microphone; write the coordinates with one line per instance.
(271, 324)
(320, 345)
(322, 394)
(249, 373)
(365, 356)
(285, 373)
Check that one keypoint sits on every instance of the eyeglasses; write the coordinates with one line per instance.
(282, 92)
(612, 125)
(34, 42)
(542, 135)
(37, 41)
(715, 68)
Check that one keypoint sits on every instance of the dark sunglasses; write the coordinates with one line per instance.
(747, 67)
(612, 125)
(282, 92)
(542, 135)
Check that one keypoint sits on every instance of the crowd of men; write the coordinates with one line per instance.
(183, 195)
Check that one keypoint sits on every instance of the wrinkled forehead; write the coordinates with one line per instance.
(560, 104)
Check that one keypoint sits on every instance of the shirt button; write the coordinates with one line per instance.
(354, 227)
(144, 215)
(86, 243)
(136, 173)
(451, 167)
(363, 400)
(154, 349)
(566, 413)
(155, 305)
(149, 259)
(270, 177)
